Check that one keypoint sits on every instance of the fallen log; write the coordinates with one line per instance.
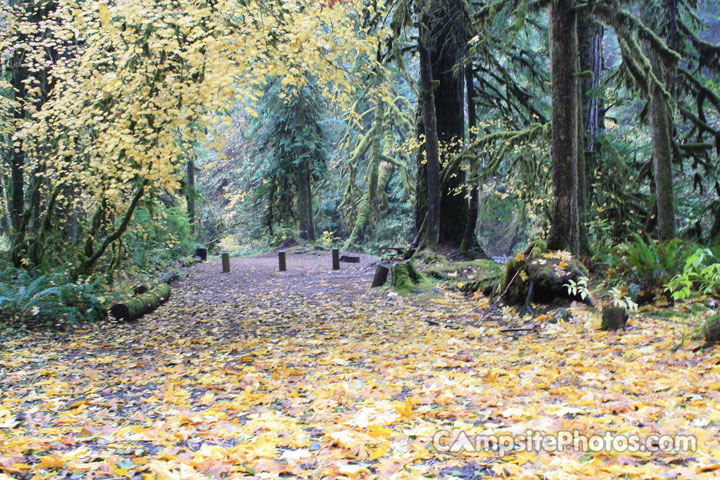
(349, 259)
(139, 305)
(168, 278)
(189, 261)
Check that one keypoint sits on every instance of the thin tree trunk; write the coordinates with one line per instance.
(563, 61)
(304, 202)
(469, 241)
(19, 75)
(584, 85)
(432, 166)
(190, 192)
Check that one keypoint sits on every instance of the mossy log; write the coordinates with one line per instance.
(539, 276)
(189, 261)
(139, 305)
(168, 278)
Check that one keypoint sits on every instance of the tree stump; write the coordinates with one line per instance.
(282, 265)
(336, 259)
(381, 275)
(613, 318)
(201, 253)
(225, 262)
(406, 278)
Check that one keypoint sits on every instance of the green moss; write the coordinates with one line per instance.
(547, 274)
(406, 278)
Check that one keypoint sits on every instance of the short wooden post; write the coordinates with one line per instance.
(226, 262)
(201, 253)
(381, 275)
(336, 258)
(281, 261)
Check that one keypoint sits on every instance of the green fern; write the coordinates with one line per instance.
(51, 298)
(646, 266)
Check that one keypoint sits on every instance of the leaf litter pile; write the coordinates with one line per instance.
(311, 374)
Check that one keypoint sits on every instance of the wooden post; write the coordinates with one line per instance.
(281, 261)
(381, 275)
(336, 258)
(226, 262)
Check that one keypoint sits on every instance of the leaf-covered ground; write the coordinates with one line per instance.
(310, 374)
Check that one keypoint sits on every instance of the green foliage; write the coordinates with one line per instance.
(290, 137)
(578, 288)
(701, 274)
(51, 298)
(156, 238)
(646, 266)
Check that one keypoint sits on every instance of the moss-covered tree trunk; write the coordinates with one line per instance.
(660, 128)
(369, 202)
(583, 96)
(563, 64)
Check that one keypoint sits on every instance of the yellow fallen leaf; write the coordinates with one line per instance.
(51, 461)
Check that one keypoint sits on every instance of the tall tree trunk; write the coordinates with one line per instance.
(304, 202)
(449, 98)
(587, 134)
(19, 76)
(190, 192)
(591, 58)
(469, 241)
(445, 38)
(660, 128)
(369, 202)
(563, 63)
(432, 165)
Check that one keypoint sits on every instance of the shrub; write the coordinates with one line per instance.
(158, 238)
(50, 298)
(646, 266)
(701, 274)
